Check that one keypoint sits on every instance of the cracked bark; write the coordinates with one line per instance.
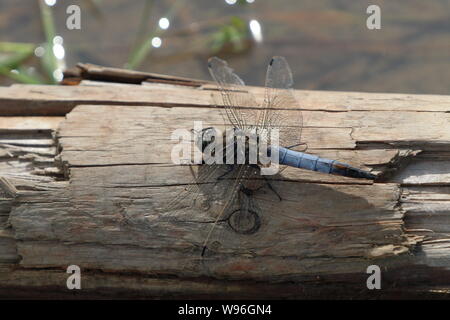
(85, 190)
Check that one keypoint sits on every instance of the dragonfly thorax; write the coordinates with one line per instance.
(237, 146)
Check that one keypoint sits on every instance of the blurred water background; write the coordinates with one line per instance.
(326, 42)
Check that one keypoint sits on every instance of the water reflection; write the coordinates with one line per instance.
(327, 40)
(164, 23)
(156, 42)
(39, 51)
(58, 49)
(255, 29)
(59, 52)
(50, 3)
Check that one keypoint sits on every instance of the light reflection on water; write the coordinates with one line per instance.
(326, 42)
(255, 28)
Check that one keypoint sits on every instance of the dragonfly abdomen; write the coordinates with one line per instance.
(314, 163)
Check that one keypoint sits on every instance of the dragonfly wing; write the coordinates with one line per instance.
(281, 109)
(232, 203)
(208, 200)
(239, 104)
(190, 193)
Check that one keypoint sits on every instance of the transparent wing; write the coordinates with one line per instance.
(281, 109)
(232, 202)
(207, 200)
(239, 104)
(192, 192)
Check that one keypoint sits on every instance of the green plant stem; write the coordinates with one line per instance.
(49, 61)
(20, 76)
(146, 12)
(21, 52)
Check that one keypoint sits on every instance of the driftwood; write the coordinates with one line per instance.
(85, 168)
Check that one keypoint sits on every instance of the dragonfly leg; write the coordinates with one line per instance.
(203, 251)
(272, 188)
(299, 144)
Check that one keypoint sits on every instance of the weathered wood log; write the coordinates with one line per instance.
(88, 188)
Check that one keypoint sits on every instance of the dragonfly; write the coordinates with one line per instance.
(227, 190)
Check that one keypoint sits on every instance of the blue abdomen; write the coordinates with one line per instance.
(310, 162)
